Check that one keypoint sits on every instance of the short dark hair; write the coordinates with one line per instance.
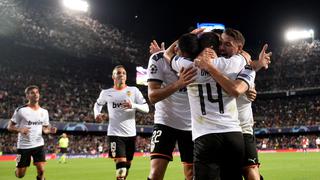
(29, 88)
(217, 31)
(209, 39)
(188, 43)
(237, 35)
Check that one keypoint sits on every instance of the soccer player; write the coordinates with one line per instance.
(305, 143)
(63, 145)
(318, 142)
(232, 43)
(30, 121)
(122, 102)
(219, 146)
(172, 118)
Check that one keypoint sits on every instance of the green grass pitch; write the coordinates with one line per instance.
(274, 166)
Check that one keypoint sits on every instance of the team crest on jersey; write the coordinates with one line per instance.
(129, 93)
(153, 69)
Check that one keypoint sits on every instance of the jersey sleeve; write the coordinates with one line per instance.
(178, 62)
(247, 74)
(16, 118)
(46, 118)
(101, 99)
(154, 67)
(139, 99)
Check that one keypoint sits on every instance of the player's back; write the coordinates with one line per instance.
(212, 109)
(173, 111)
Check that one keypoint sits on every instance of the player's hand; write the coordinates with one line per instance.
(264, 57)
(187, 76)
(154, 47)
(101, 117)
(251, 94)
(205, 58)
(53, 130)
(247, 56)
(24, 130)
(198, 31)
(126, 104)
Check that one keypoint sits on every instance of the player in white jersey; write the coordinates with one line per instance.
(232, 42)
(216, 131)
(29, 121)
(172, 119)
(122, 102)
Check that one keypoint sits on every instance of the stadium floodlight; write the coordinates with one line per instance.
(78, 5)
(293, 35)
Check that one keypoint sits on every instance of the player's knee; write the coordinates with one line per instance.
(121, 170)
(155, 174)
(40, 171)
(19, 175)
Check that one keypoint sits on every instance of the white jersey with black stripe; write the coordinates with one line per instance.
(34, 120)
(245, 111)
(212, 109)
(121, 121)
(173, 111)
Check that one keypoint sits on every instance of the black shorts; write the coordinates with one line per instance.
(250, 150)
(120, 147)
(219, 155)
(164, 139)
(24, 156)
(63, 150)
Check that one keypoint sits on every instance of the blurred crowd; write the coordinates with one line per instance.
(287, 112)
(70, 86)
(71, 56)
(94, 144)
(79, 144)
(47, 24)
(287, 142)
(295, 66)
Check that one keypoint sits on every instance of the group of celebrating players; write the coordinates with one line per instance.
(202, 86)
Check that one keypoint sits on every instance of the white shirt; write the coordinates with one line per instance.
(173, 111)
(212, 109)
(121, 122)
(34, 119)
(245, 112)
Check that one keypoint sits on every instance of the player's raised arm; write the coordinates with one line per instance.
(154, 47)
(170, 52)
(264, 59)
(232, 87)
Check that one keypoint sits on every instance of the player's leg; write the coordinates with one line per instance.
(207, 157)
(185, 144)
(162, 144)
(121, 168)
(39, 160)
(23, 160)
(232, 156)
(64, 154)
(40, 170)
(158, 167)
(130, 149)
(117, 151)
(251, 161)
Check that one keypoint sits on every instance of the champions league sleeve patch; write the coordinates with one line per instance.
(153, 69)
